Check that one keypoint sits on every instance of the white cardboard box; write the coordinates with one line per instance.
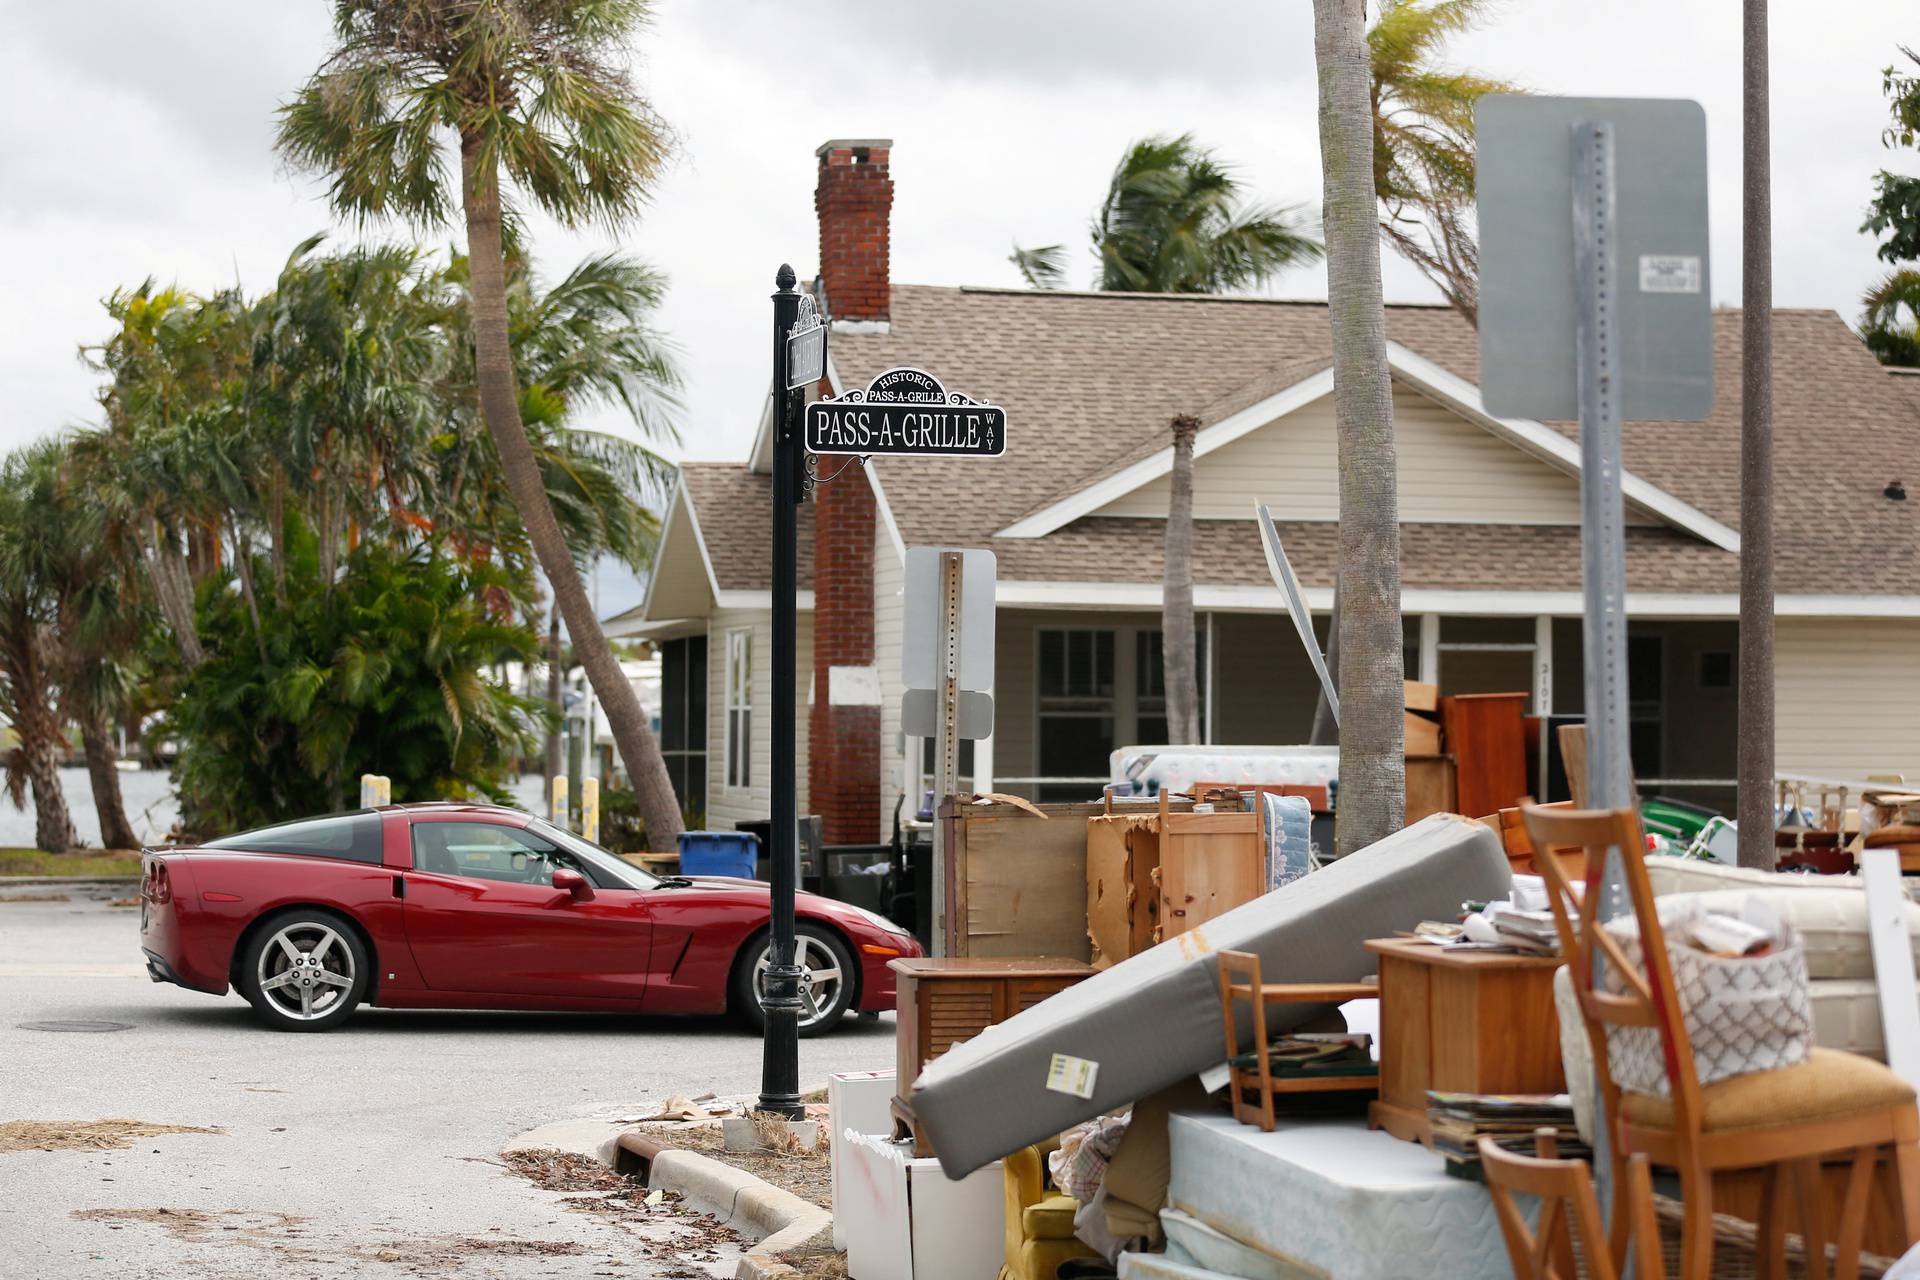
(861, 1101)
(904, 1220)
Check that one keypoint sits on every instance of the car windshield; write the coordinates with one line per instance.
(612, 864)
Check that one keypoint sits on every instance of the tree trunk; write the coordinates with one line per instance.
(1373, 797)
(277, 544)
(38, 730)
(1326, 729)
(1756, 819)
(1176, 619)
(103, 772)
(500, 406)
(172, 590)
(556, 681)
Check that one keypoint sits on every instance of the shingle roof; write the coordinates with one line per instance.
(1090, 381)
(733, 506)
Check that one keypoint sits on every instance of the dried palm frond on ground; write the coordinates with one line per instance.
(808, 1174)
(84, 1135)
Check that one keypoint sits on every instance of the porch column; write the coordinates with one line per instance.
(983, 753)
(1430, 648)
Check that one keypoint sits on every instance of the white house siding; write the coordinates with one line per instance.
(1451, 471)
(1847, 697)
(728, 805)
(889, 578)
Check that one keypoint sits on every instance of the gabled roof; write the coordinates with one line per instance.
(1090, 382)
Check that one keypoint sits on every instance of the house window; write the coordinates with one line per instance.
(683, 718)
(1716, 669)
(1150, 684)
(1646, 705)
(1077, 709)
(739, 689)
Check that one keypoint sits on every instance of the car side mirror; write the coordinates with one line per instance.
(573, 883)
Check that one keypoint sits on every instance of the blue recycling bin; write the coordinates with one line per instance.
(718, 853)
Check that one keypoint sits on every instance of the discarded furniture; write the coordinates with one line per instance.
(1149, 1021)
(1431, 787)
(941, 1002)
(1039, 1230)
(1328, 1197)
(1017, 878)
(1154, 875)
(1464, 1022)
(1832, 1105)
(1568, 1209)
(906, 1221)
(1522, 854)
(1240, 982)
(860, 1101)
(1487, 739)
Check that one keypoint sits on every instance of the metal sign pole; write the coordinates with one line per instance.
(1603, 549)
(1603, 545)
(946, 742)
(780, 1058)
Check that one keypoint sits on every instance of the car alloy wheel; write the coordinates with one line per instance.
(823, 979)
(306, 971)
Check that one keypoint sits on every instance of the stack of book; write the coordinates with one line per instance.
(1532, 932)
(1459, 1120)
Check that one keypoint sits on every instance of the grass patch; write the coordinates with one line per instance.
(32, 862)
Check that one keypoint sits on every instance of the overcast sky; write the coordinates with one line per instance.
(139, 145)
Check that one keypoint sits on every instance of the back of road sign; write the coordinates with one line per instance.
(921, 639)
(1662, 290)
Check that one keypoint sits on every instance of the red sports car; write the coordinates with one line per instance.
(464, 906)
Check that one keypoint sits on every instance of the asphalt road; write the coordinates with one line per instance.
(368, 1151)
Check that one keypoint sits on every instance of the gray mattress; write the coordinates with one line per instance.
(1154, 1018)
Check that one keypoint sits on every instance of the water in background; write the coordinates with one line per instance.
(151, 807)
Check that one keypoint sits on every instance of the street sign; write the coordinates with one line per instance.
(806, 347)
(907, 413)
(920, 714)
(921, 645)
(1660, 288)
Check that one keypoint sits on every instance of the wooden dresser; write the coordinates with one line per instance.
(941, 1002)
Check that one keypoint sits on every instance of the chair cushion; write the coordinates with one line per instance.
(1051, 1219)
(1828, 1084)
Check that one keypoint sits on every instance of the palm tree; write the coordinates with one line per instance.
(1372, 662)
(1423, 147)
(28, 665)
(1176, 618)
(534, 89)
(1890, 323)
(1175, 220)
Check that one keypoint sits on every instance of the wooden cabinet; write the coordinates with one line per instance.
(1487, 738)
(942, 1002)
(1155, 875)
(1466, 1021)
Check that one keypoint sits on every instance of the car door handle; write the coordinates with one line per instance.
(399, 886)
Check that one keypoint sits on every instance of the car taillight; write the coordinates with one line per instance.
(162, 883)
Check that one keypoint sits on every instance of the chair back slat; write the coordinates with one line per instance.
(1649, 998)
(1569, 1211)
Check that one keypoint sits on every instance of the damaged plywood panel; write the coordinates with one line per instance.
(1123, 904)
(1018, 879)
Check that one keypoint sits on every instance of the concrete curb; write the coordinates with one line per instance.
(779, 1221)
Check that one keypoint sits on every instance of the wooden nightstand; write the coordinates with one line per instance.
(1462, 1021)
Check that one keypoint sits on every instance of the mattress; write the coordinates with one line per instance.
(1165, 1266)
(1334, 1198)
(1191, 1241)
(1154, 1018)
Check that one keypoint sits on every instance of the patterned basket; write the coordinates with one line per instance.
(1742, 1015)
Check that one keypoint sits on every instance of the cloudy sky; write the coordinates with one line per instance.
(140, 145)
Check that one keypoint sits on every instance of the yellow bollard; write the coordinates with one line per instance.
(382, 789)
(557, 813)
(590, 809)
(369, 793)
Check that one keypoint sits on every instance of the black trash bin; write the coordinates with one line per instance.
(857, 874)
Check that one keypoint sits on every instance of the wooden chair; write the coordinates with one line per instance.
(1568, 1207)
(1244, 965)
(1833, 1105)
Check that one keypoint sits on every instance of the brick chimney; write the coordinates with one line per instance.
(853, 197)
